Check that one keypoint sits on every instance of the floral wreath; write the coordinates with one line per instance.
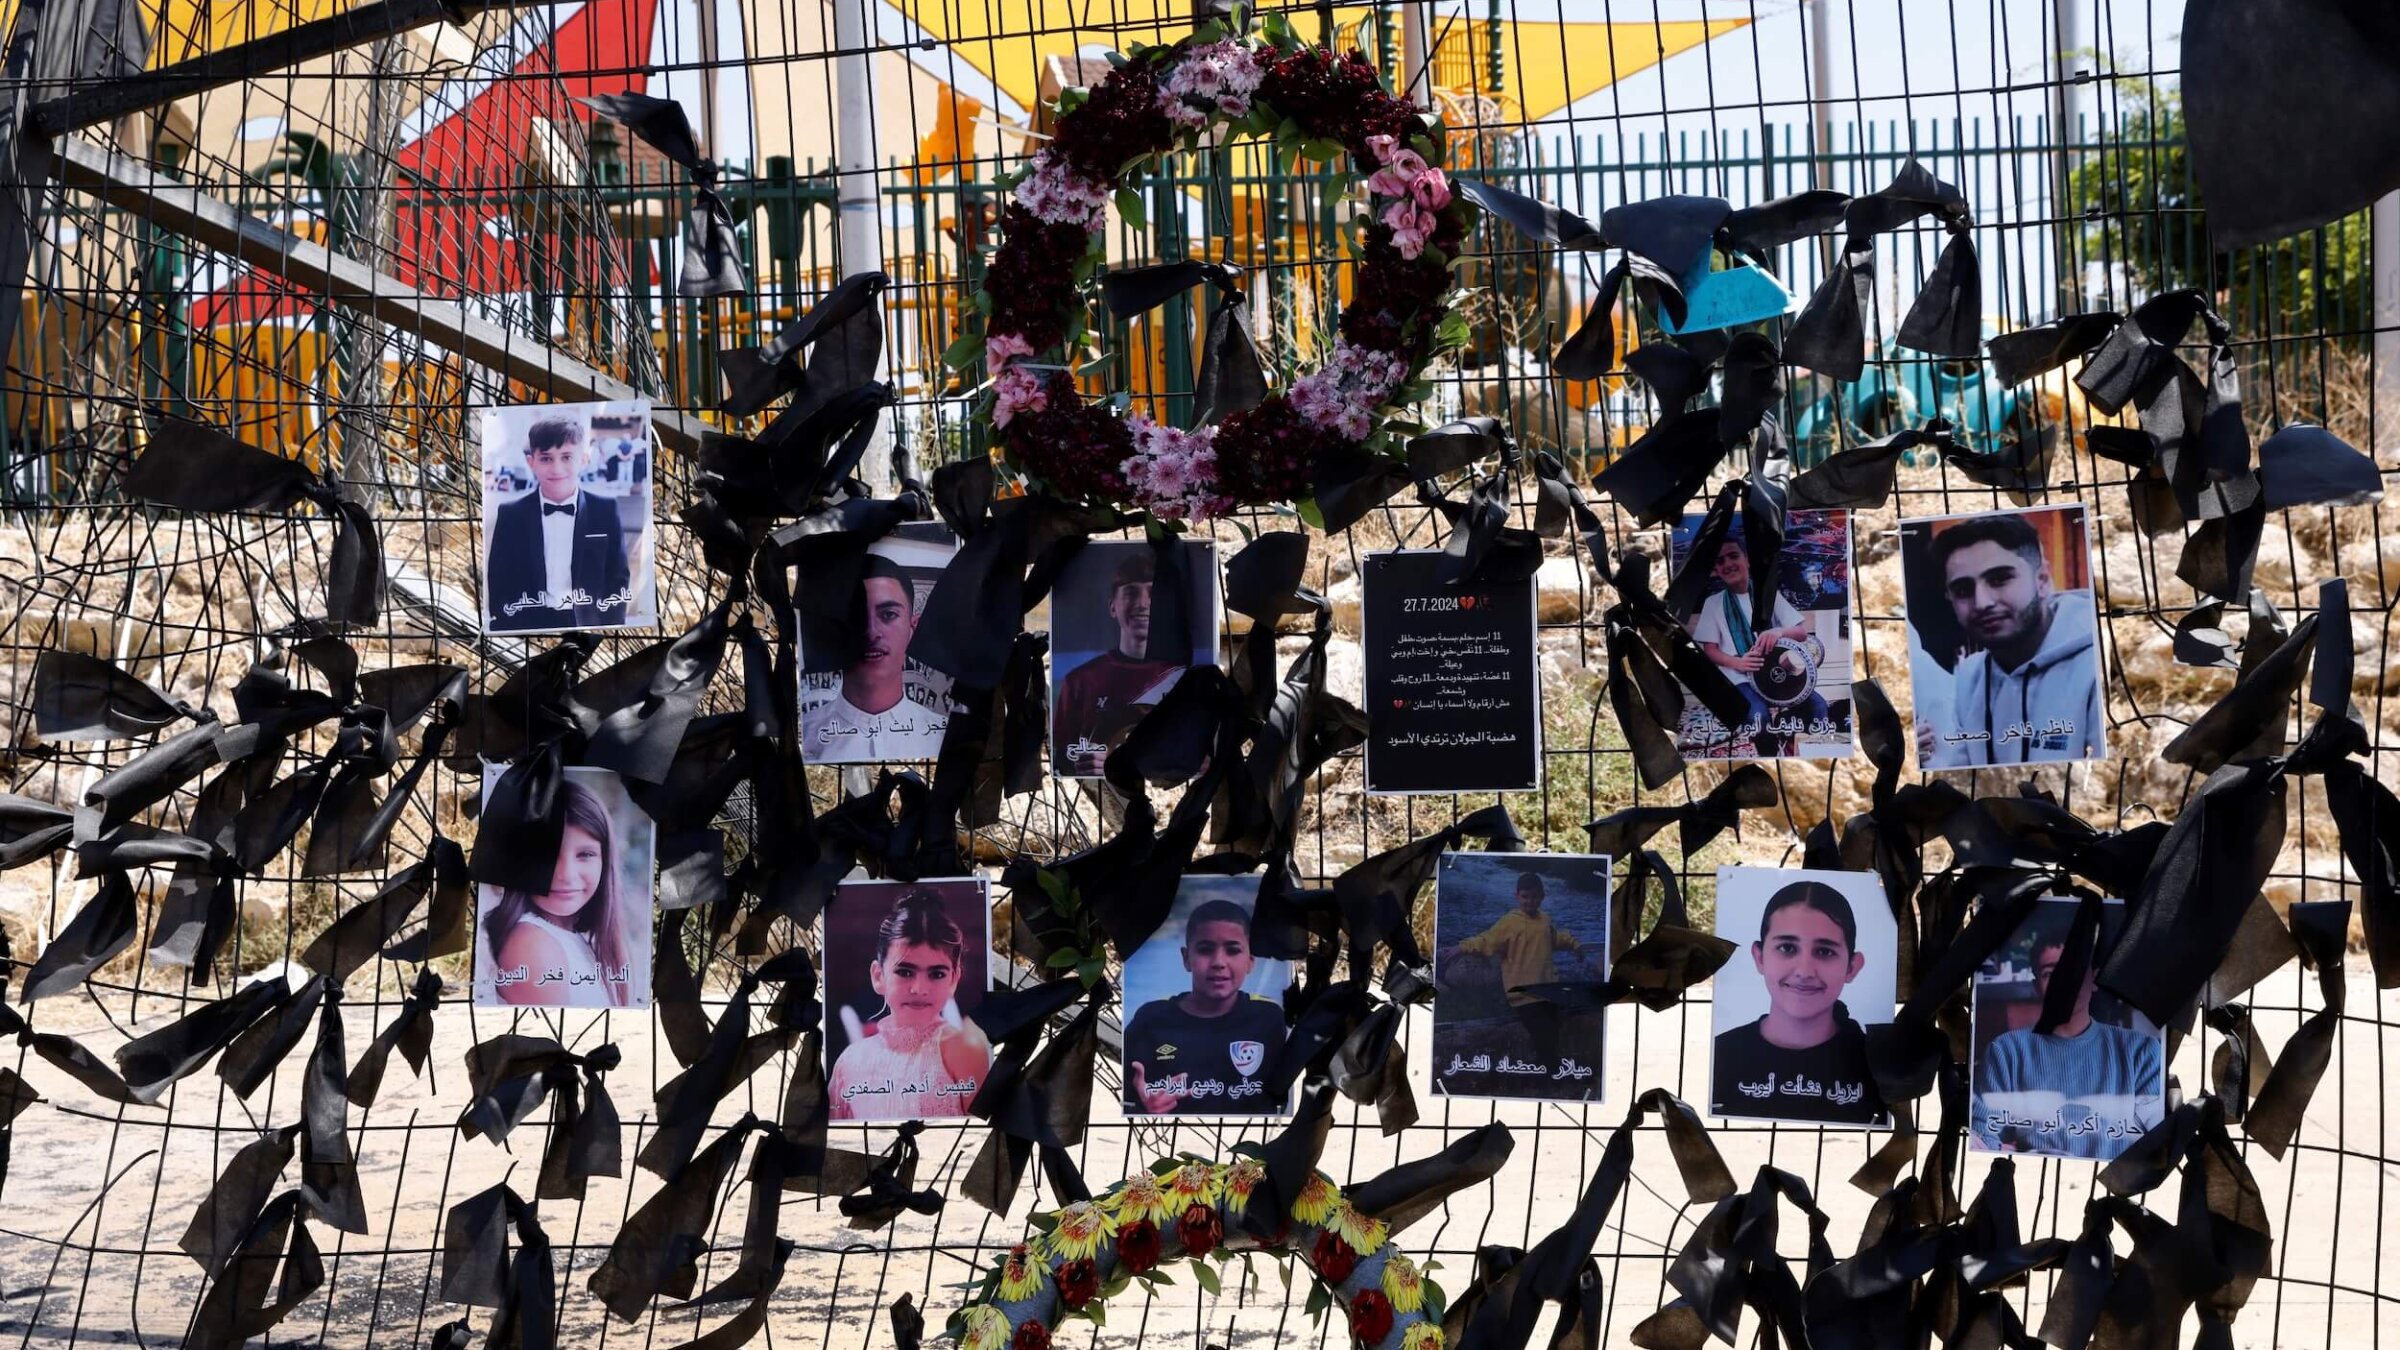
(1188, 1208)
(1312, 105)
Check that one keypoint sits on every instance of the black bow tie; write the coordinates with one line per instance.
(558, 508)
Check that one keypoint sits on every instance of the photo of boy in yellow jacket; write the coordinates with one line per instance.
(1525, 946)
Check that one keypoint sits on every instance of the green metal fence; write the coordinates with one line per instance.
(2128, 224)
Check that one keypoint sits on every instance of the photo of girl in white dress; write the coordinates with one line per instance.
(904, 963)
(584, 942)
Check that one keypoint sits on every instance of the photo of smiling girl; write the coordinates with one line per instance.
(904, 965)
(1791, 1041)
(585, 942)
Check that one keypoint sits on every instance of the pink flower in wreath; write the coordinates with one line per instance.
(1215, 80)
(1002, 348)
(1411, 225)
(1059, 195)
(1399, 173)
(1018, 390)
(1430, 190)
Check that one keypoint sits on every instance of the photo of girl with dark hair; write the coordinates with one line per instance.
(1791, 1045)
(584, 942)
(904, 964)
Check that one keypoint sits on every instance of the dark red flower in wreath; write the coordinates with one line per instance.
(1270, 452)
(1370, 1317)
(1322, 93)
(1138, 1246)
(1332, 1257)
(1030, 1336)
(1201, 1229)
(1078, 1281)
(1078, 448)
(1023, 279)
(1121, 121)
(1392, 290)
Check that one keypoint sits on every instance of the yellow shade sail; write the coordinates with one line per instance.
(195, 27)
(1545, 67)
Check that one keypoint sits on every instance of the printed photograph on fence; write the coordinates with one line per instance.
(1504, 924)
(1126, 620)
(566, 518)
(1453, 679)
(2086, 1088)
(1790, 656)
(905, 962)
(585, 942)
(1203, 1012)
(1816, 969)
(2004, 638)
(862, 700)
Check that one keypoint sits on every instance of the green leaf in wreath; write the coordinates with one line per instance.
(1129, 206)
(1063, 959)
(1318, 1301)
(963, 353)
(1208, 1279)
(1312, 513)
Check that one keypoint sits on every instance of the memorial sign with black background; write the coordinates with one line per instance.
(1452, 680)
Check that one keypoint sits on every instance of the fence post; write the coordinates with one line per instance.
(2386, 271)
(858, 206)
(2065, 113)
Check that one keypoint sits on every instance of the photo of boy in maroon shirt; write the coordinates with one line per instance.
(1098, 699)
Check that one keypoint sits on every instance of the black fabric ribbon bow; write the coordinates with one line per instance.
(86, 698)
(850, 315)
(195, 467)
(712, 249)
(483, 1268)
(1646, 692)
(1500, 1310)
(1037, 1102)
(1231, 380)
(1829, 336)
(512, 1075)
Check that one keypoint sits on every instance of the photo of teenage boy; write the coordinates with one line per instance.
(1503, 924)
(557, 556)
(872, 704)
(2023, 684)
(1123, 631)
(2087, 1088)
(1804, 1057)
(877, 704)
(1724, 631)
(1204, 1049)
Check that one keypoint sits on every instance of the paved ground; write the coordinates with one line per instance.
(94, 1204)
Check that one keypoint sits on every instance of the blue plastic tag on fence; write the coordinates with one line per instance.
(1728, 299)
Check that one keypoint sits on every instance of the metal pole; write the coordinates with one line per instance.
(707, 17)
(1820, 93)
(1416, 54)
(859, 236)
(2066, 113)
(2387, 322)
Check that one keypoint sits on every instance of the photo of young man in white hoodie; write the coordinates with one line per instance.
(2006, 595)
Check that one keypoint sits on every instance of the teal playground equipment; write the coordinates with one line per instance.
(1902, 388)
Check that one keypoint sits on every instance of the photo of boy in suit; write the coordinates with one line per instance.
(560, 555)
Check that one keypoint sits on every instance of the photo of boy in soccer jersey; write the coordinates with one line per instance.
(1201, 1045)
